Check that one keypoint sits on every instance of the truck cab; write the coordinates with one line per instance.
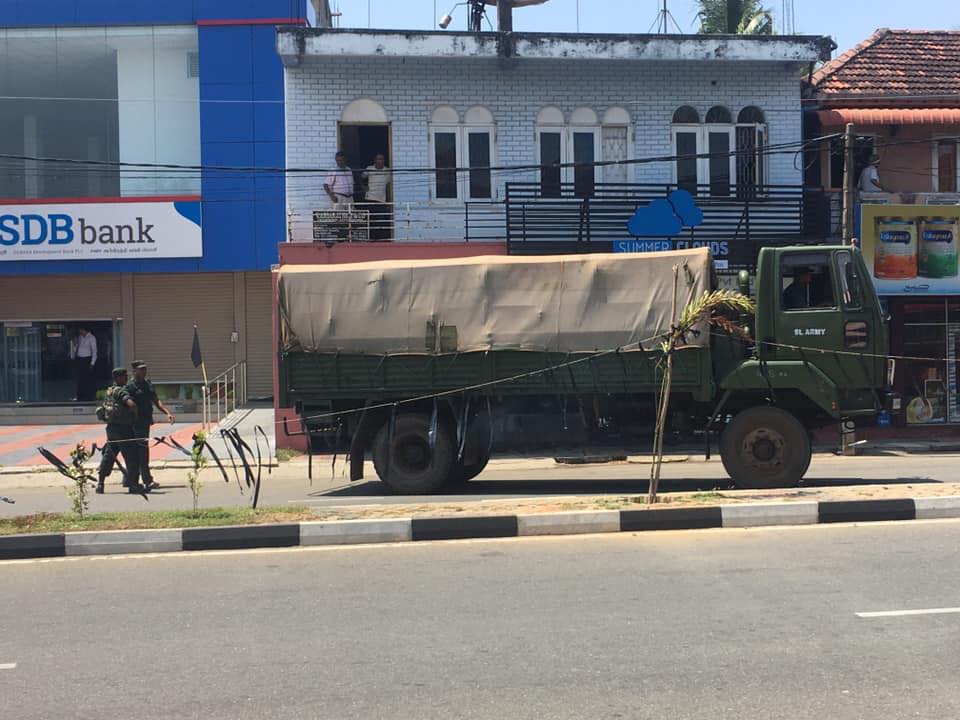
(820, 358)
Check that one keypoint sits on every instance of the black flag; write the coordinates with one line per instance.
(195, 351)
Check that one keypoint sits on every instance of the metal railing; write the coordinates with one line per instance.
(224, 394)
(736, 222)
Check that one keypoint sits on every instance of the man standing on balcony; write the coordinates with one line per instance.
(339, 184)
(379, 180)
(870, 177)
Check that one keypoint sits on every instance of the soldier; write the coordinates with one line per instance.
(143, 394)
(119, 411)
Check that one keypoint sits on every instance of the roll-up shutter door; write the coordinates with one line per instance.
(259, 334)
(166, 308)
(56, 297)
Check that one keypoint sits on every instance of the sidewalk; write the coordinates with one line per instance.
(19, 454)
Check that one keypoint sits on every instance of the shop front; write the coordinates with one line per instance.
(912, 254)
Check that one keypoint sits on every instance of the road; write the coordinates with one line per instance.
(506, 480)
(685, 625)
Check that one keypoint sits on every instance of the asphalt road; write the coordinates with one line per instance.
(289, 484)
(686, 625)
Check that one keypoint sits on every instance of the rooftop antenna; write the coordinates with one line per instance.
(664, 20)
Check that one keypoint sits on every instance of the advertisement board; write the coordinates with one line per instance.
(117, 229)
(911, 249)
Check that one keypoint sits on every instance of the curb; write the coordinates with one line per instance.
(398, 530)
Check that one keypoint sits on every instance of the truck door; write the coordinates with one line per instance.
(827, 320)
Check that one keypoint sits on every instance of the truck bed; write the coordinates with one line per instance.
(314, 378)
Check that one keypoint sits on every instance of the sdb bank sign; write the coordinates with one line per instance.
(134, 229)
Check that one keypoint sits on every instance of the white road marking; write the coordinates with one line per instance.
(903, 613)
(8, 666)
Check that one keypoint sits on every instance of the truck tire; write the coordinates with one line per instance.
(465, 472)
(405, 462)
(765, 447)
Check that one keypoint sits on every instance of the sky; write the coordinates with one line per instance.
(847, 21)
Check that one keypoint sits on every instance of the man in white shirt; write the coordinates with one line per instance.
(870, 178)
(339, 184)
(83, 352)
(379, 180)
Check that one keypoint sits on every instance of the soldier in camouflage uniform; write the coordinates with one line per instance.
(143, 394)
(119, 411)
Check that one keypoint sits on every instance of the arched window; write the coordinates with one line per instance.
(478, 141)
(686, 115)
(364, 111)
(750, 115)
(704, 151)
(462, 144)
(751, 152)
(719, 114)
(551, 150)
(615, 144)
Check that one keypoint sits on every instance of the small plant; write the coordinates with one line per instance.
(199, 463)
(82, 478)
(287, 454)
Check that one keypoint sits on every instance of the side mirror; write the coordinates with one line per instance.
(743, 282)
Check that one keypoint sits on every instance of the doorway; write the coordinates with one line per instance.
(35, 363)
(361, 143)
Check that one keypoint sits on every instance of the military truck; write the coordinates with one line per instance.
(422, 364)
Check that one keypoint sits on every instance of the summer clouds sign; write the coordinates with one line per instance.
(128, 229)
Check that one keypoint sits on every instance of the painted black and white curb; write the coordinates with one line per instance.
(358, 532)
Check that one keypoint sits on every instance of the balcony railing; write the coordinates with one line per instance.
(735, 225)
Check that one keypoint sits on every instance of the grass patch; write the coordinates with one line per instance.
(287, 454)
(67, 522)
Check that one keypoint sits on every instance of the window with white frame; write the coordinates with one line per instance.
(946, 165)
(751, 152)
(719, 153)
(615, 145)
(462, 154)
(575, 144)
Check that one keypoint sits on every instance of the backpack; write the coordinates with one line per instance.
(111, 410)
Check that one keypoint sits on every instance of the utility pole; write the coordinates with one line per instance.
(848, 189)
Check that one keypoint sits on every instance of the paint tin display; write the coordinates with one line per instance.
(938, 248)
(895, 257)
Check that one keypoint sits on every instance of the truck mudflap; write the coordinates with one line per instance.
(362, 437)
(789, 375)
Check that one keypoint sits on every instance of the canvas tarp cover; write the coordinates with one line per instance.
(566, 303)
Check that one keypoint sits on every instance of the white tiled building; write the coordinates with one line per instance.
(440, 100)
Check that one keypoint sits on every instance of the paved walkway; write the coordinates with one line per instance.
(19, 443)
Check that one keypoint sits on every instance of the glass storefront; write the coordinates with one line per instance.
(36, 364)
(927, 337)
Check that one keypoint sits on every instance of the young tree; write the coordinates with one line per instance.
(734, 17)
(708, 309)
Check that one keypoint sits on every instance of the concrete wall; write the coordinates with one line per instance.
(410, 89)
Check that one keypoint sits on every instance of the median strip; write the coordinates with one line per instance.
(292, 527)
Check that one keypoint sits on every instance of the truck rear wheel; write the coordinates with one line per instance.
(464, 472)
(406, 463)
(765, 447)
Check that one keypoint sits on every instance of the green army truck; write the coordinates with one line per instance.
(424, 364)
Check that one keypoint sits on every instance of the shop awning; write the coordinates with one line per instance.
(839, 117)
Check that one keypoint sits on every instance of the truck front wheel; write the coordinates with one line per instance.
(765, 447)
(404, 459)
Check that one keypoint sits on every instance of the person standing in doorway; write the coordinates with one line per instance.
(379, 179)
(145, 397)
(339, 184)
(83, 353)
(120, 414)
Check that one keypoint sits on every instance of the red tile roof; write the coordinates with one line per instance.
(907, 67)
